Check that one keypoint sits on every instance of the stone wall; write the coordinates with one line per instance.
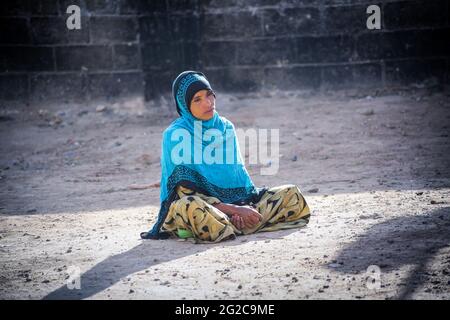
(44, 60)
(137, 47)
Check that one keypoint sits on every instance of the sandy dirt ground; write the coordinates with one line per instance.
(375, 169)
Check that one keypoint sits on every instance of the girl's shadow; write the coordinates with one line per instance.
(143, 256)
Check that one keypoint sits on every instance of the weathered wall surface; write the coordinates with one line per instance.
(137, 47)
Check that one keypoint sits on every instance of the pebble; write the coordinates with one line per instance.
(368, 112)
(100, 108)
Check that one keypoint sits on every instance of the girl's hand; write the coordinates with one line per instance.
(241, 216)
(249, 215)
(237, 221)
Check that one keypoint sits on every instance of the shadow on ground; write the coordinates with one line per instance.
(143, 256)
(394, 243)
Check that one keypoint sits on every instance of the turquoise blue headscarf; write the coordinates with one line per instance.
(228, 181)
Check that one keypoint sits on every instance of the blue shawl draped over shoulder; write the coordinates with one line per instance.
(201, 155)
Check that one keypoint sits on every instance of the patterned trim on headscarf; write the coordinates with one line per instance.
(227, 195)
(184, 84)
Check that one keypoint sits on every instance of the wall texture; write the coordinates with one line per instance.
(129, 47)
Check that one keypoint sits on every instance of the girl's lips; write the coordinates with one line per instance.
(210, 110)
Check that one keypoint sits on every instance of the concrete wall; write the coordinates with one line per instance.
(44, 60)
(138, 47)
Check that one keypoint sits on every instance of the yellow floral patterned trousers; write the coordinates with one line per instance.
(281, 207)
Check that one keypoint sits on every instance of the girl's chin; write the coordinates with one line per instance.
(208, 115)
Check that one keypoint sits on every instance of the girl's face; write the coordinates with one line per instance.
(203, 105)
